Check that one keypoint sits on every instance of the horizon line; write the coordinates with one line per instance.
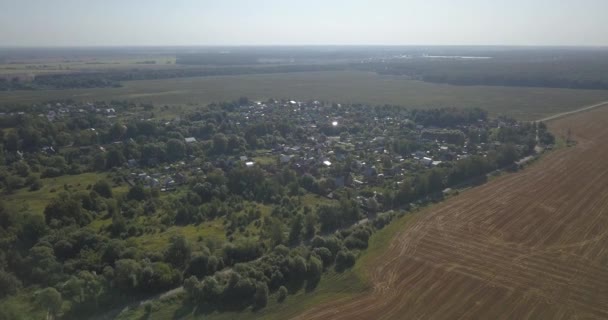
(298, 45)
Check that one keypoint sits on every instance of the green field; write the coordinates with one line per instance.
(25, 200)
(351, 86)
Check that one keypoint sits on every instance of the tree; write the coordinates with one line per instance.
(12, 141)
(159, 276)
(220, 143)
(507, 154)
(34, 182)
(199, 265)
(344, 260)
(282, 294)
(103, 188)
(260, 299)
(137, 193)
(325, 255)
(273, 228)
(66, 210)
(329, 217)
(114, 158)
(192, 288)
(9, 284)
(310, 220)
(33, 227)
(127, 274)
(43, 265)
(175, 149)
(315, 270)
(211, 290)
(179, 251)
(119, 223)
(50, 300)
(21, 168)
(295, 234)
(117, 131)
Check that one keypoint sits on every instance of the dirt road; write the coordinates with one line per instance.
(530, 245)
(568, 113)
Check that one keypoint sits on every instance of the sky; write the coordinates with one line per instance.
(302, 22)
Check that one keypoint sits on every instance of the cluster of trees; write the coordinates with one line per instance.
(281, 270)
(435, 180)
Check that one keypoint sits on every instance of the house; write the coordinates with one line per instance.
(426, 161)
(419, 155)
(370, 171)
(190, 139)
(339, 182)
(180, 178)
(285, 158)
(132, 163)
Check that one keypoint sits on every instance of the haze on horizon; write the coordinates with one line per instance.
(312, 22)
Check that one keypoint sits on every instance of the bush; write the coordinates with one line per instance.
(103, 188)
(260, 299)
(9, 284)
(325, 255)
(282, 294)
(34, 182)
(344, 260)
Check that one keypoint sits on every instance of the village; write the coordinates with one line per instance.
(355, 147)
(240, 180)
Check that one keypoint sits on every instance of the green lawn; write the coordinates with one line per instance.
(159, 241)
(312, 200)
(35, 201)
(342, 86)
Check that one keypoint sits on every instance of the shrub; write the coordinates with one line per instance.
(344, 260)
(282, 294)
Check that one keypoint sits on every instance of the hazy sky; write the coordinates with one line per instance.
(271, 22)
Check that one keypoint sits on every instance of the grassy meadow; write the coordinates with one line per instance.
(342, 86)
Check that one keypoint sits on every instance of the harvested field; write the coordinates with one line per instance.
(530, 245)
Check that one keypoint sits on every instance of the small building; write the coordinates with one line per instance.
(285, 158)
(426, 161)
(190, 139)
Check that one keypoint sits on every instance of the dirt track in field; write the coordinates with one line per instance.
(529, 245)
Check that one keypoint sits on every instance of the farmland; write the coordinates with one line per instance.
(527, 246)
(344, 87)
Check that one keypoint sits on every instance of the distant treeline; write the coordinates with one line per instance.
(588, 71)
(114, 78)
(576, 68)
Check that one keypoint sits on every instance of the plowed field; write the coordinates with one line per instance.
(529, 245)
